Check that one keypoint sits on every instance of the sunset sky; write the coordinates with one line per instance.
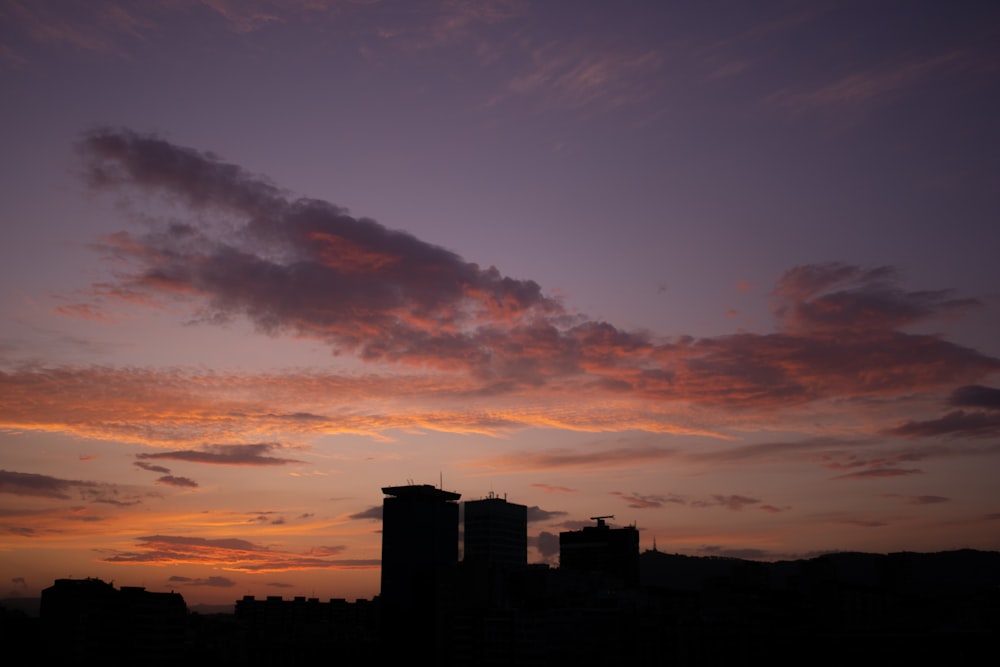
(727, 271)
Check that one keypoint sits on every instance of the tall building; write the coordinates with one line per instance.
(419, 559)
(419, 540)
(496, 532)
(600, 549)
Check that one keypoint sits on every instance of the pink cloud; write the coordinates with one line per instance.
(548, 488)
(642, 501)
(307, 267)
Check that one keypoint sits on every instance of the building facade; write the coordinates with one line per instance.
(603, 550)
(496, 532)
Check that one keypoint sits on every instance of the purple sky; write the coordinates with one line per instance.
(725, 270)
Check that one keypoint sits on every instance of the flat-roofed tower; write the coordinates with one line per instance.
(600, 549)
(496, 532)
(419, 541)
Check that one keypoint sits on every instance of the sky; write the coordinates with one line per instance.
(725, 271)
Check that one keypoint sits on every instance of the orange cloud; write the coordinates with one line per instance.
(247, 455)
(233, 554)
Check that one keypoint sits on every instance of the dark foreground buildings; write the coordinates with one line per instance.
(607, 604)
(88, 618)
(602, 550)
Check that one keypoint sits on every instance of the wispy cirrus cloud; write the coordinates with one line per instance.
(92, 27)
(809, 448)
(644, 501)
(585, 75)
(958, 423)
(864, 457)
(177, 407)
(841, 453)
(213, 582)
(983, 421)
(869, 85)
(279, 584)
(772, 509)
(549, 488)
(886, 461)
(232, 554)
(107, 27)
(744, 553)
(233, 455)
(880, 473)
(917, 500)
(573, 458)
(446, 23)
(863, 523)
(733, 502)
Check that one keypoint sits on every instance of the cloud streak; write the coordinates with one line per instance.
(232, 554)
(871, 85)
(979, 423)
(880, 473)
(31, 484)
(232, 455)
(214, 582)
(732, 502)
(46, 486)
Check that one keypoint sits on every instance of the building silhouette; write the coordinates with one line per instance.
(83, 619)
(605, 605)
(610, 552)
(496, 532)
(303, 630)
(419, 560)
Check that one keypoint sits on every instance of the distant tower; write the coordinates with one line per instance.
(496, 532)
(600, 549)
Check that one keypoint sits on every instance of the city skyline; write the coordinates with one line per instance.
(724, 272)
